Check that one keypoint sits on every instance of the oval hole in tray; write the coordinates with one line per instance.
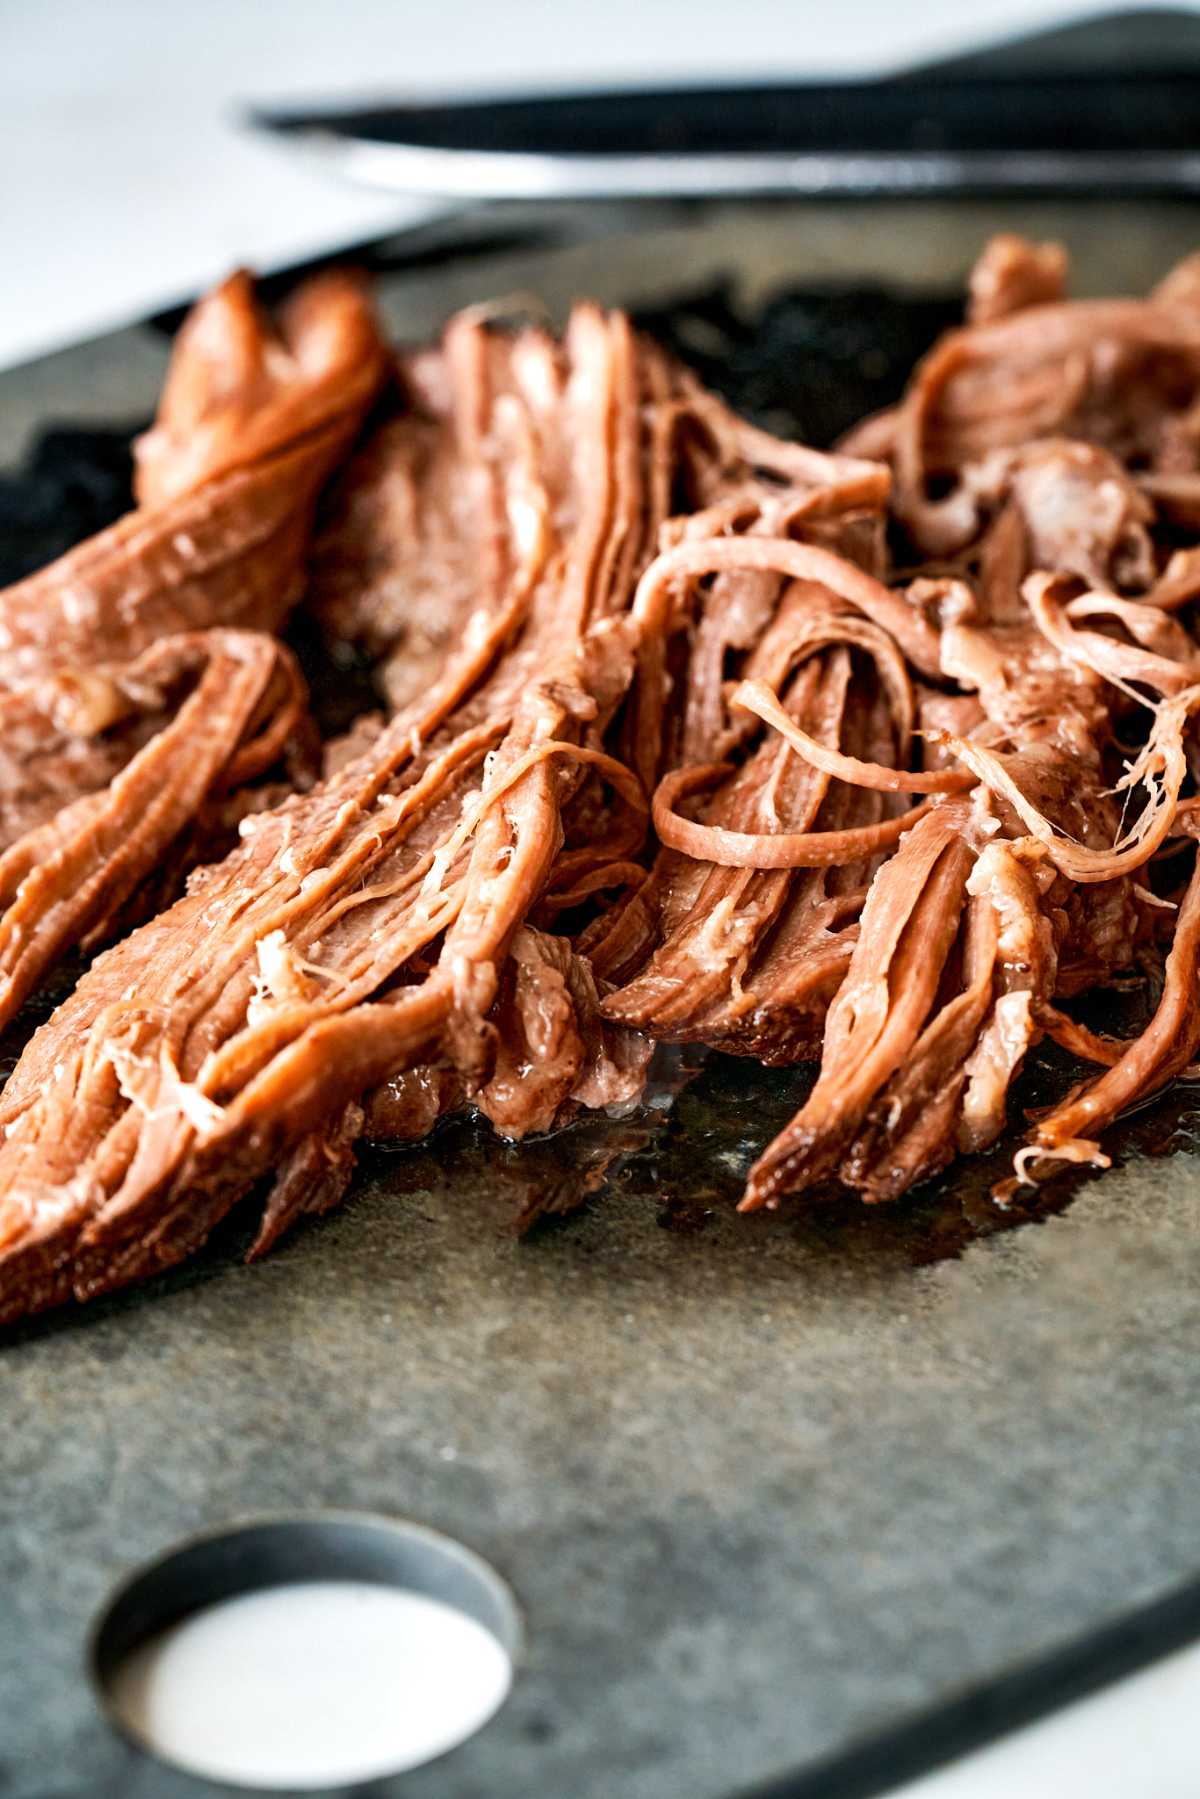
(307, 1651)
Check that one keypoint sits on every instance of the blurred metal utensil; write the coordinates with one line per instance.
(929, 135)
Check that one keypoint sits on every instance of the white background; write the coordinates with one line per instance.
(125, 185)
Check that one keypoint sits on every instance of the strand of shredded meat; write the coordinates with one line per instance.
(876, 758)
(132, 715)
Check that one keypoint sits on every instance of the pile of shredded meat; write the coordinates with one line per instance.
(876, 758)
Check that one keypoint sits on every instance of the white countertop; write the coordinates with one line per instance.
(128, 186)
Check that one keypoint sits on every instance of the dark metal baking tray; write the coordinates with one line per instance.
(764, 1487)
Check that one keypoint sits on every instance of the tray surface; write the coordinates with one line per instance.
(761, 1485)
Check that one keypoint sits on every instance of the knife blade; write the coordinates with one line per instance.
(929, 135)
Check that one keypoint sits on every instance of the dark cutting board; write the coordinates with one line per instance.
(762, 1486)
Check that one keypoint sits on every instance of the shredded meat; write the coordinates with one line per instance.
(131, 713)
(874, 758)
(252, 423)
(1012, 273)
